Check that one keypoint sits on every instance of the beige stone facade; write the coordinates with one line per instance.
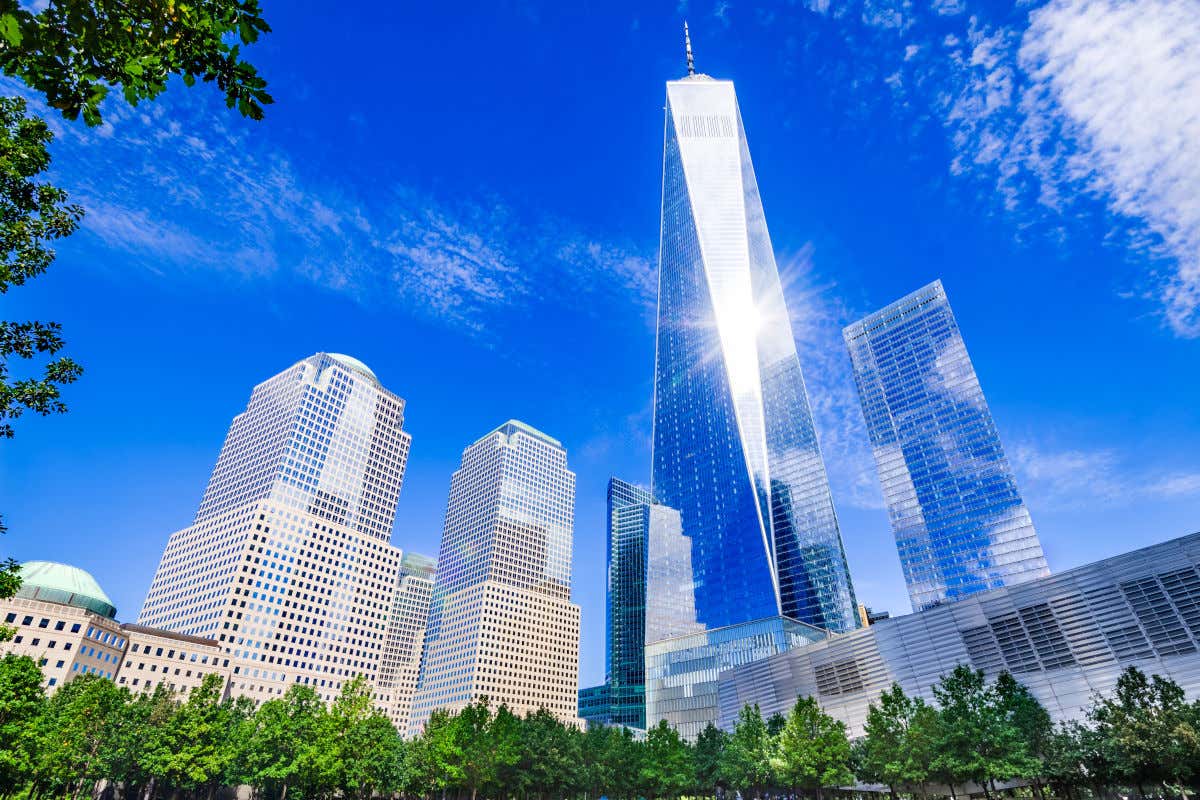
(65, 640)
(177, 660)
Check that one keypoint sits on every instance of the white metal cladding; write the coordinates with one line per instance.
(1067, 637)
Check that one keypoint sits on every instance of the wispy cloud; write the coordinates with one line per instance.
(1050, 107)
(818, 314)
(1082, 478)
(178, 189)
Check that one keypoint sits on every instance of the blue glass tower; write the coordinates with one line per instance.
(960, 524)
(735, 449)
(629, 509)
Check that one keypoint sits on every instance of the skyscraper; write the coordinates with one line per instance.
(287, 562)
(735, 449)
(960, 523)
(625, 665)
(404, 640)
(502, 624)
(645, 550)
(759, 555)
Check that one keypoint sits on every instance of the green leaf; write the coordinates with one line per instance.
(10, 29)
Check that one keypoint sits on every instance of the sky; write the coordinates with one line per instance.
(467, 199)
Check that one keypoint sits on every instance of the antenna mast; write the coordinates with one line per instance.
(687, 42)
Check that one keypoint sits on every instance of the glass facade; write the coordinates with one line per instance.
(649, 597)
(1067, 637)
(735, 449)
(595, 705)
(960, 523)
(629, 510)
(682, 673)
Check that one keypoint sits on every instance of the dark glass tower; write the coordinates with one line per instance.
(629, 510)
(735, 450)
(960, 523)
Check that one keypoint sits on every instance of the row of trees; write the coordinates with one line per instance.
(975, 734)
(1144, 737)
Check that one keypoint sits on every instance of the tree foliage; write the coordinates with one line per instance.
(74, 51)
(158, 746)
(71, 53)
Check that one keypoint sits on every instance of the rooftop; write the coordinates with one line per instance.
(53, 582)
(350, 362)
(516, 426)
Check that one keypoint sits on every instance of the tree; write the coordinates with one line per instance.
(977, 741)
(812, 750)
(32, 214)
(1147, 727)
(471, 729)
(550, 755)
(75, 731)
(745, 762)
(21, 702)
(710, 745)
(190, 752)
(667, 766)
(1023, 713)
(504, 736)
(72, 52)
(897, 748)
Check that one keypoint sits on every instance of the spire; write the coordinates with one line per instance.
(687, 42)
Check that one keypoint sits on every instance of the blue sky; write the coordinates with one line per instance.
(467, 200)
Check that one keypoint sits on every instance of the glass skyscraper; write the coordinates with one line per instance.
(735, 449)
(960, 524)
(648, 600)
(625, 665)
(501, 621)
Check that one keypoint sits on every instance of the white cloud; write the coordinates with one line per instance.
(1125, 76)
(1073, 479)
(177, 187)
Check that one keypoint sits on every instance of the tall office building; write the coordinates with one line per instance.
(960, 524)
(502, 624)
(404, 640)
(287, 563)
(646, 549)
(735, 449)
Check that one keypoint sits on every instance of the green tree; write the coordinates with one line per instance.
(73, 51)
(472, 726)
(667, 766)
(977, 741)
(33, 213)
(75, 731)
(190, 752)
(433, 760)
(745, 762)
(21, 701)
(1023, 713)
(710, 745)
(897, 747)
(1147, 727)
(551, 755)
(812, 750)
(504, 735)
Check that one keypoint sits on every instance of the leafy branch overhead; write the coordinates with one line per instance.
(74, 51)
(32, 214)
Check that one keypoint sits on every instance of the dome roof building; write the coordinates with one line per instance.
(53, 582)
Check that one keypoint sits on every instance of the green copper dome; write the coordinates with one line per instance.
(354, 364)
(52, 582)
